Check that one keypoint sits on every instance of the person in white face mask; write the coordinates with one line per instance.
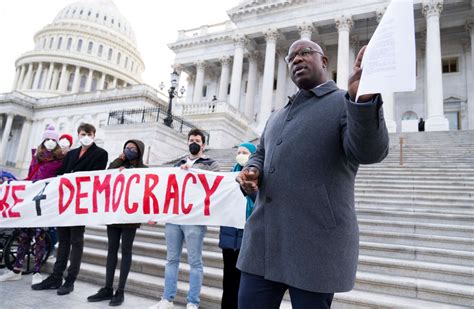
(230, 238)
(46, 161)
(88, 157)
(65, 142)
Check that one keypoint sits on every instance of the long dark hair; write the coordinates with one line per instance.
(42, 153)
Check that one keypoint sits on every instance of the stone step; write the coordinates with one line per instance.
(431, 241)
(431, 179)
(418, 215)
(416, 228)
(432, 199)
(451, 293)
(357, 299)
(418, 209)
(464, 191)
(408, 252)
(418, 203)
(392, 181)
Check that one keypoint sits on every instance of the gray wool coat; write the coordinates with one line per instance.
(303, 231)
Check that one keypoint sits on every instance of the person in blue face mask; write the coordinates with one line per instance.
(131, 157)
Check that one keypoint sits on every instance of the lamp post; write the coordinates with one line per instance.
(172, 93)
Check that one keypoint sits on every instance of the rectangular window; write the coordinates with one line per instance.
(228, 89)
(119, 55)
(204, 91)
(69, 43)
(450, 65)
(131, 69)
(126, 62)
(101, 49)
(51, 43)
(89, 48)
(79, 45)
(60, 42)
(109, 57)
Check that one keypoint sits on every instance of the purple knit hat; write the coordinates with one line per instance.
(50, 133)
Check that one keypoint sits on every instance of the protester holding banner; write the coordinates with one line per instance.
(230, 238)
(304, 169)
(45, 163)
(193, 235)
(89, 157)
(131, 157)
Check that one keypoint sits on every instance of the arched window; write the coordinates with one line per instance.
(409, 115)
(101, 49)
(131, 69)
(89, 48)
(44, 43)
(119, 55)
(126, 62)
(94, 84)
(82, 85)
(79, 45)
(51, 43)
(60, 41)
(69, 44)
(109, 57)
(69, 83)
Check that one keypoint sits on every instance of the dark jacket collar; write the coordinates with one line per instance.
(318, 91)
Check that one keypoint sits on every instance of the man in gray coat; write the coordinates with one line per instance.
(303, 234)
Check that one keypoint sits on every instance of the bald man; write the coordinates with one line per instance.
(303, 234)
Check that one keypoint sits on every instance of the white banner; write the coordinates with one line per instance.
(168, 195)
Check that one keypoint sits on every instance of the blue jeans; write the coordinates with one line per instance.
(193, 235)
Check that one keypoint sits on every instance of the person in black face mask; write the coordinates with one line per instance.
(131, 157)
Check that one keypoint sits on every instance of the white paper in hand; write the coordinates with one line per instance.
(389, 63)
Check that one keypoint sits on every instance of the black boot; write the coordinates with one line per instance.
(67, 287)
(52, 282)
(102, 294)
(118, 298)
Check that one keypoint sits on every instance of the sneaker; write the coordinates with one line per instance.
(192, 306)
(163, 304)
(37, 278)
(102, 294)
(118, 298)
(67, 287)
(51, 283)
(10, 276)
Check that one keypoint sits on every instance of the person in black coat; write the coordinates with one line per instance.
(88, 157)
(131, 157)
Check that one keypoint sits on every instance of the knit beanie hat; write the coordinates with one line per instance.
(50, 133)
(251, 147)
(68, 137)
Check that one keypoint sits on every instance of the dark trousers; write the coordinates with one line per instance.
(231, 282)
(257, 292)
(113, 234)
(71, 245)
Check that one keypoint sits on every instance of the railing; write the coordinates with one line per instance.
(151, 115)
(212, 107)
(205, 30)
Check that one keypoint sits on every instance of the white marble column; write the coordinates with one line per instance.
(39, 70)
(64, 79)
(470, 99)
(22, 152)
(251, 85)
(19, 82)
(224, 82)
(282, 77)
(54, 81)
(200, 70)
(434, 95)
(101, 82)
(6, 134)
(77, 80)
(28, 77)
(388, 111)
(47, 81)
(305, 30)
(17, 76)
(89, 81)
(114, 83)
(343, 25)
(271, 37)
(236, 80)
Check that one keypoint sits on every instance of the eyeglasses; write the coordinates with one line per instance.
(304, 52)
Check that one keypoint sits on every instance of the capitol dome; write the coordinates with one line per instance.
(89, 46)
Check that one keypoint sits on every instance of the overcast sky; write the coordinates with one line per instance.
(156, 23)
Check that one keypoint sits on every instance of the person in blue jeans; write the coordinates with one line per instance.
(192, 235)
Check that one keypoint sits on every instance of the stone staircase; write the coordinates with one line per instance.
(416, 232)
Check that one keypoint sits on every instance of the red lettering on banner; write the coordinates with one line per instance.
(100, 187)
(16, 200)
(65, 183)
(3, 202)
(116, 201)
(148, 193)
(209, 192)
(172, 192)
(127, 194)
(186, 209)
(79, 194)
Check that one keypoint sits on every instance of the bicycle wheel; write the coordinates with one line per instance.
(11, 250)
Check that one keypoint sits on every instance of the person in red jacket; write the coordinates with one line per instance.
(46, 161)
